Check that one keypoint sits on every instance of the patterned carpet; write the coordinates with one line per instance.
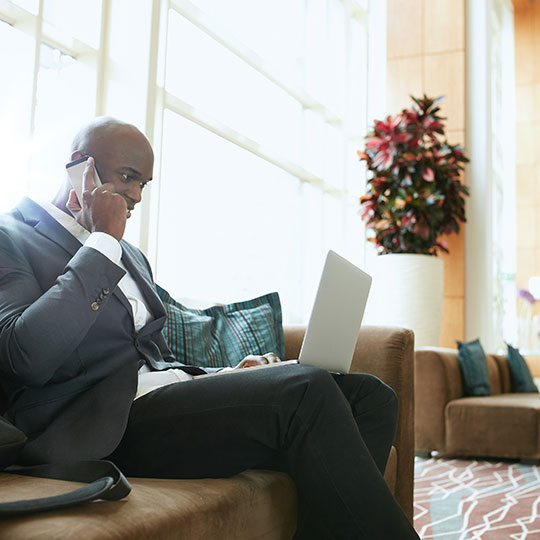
(472, 500)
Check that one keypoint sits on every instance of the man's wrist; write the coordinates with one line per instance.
(106, 244)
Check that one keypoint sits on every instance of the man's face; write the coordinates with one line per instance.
(126, 160)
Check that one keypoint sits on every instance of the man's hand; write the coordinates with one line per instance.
(102, 210)
(252, 360)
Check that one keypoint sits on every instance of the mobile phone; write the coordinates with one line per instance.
(75, 171)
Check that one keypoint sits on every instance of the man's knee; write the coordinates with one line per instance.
(314, 378)
(367, 392)
(308, 383)
(385, 394)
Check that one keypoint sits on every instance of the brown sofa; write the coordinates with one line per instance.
(254, 504)
(502, 425)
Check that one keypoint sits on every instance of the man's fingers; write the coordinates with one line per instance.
(257, 360)
(73, 204)
(253, 360)
(102, 208)
(88, 183)
(268, 358)
(251, 363)
(108, 188)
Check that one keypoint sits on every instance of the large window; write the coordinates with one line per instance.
(264, 103)
(48, 66)
(255, 109)
(491, 219)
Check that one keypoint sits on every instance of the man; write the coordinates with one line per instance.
(80, 333)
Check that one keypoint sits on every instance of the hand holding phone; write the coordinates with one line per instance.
(102, 210)
(75, 171)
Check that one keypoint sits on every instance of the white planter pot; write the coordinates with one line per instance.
(407, 291)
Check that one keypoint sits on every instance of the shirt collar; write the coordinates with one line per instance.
(68, 222)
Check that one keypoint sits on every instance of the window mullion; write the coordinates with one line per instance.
(37, 56)
(153, 127)
(17, 17)
(102, 60)
(184, 109)
(204, 23)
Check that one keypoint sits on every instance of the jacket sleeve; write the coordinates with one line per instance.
(39, 330)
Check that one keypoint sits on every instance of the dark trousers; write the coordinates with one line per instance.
(331, 433)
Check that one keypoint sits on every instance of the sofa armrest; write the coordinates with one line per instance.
(387, 353)
(294, 335)
(437, 381)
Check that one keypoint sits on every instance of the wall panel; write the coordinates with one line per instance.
(445, 75)
(428, 37)
(444, 25)
(404, 77)
(404, 28)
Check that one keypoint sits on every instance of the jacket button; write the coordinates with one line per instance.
(106, 291)
(94, 306)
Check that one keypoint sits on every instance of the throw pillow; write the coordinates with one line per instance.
(473, 363)
(522, 380)
(221, 336)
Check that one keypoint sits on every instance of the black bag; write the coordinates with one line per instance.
(105, 481)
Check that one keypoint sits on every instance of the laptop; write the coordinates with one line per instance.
(335, 320)
(336, 316)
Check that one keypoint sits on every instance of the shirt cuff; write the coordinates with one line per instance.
(106, 245)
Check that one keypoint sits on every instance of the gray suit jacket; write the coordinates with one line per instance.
(69, 353)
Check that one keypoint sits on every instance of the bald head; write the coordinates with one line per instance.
(104, 131)
(123, 157)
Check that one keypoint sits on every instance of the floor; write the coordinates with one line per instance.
(458, 499)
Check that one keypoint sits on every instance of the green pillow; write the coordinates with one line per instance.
(522, 380)
(221, 336)
(474, 371)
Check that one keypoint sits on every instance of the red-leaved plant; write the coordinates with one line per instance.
(414, 195)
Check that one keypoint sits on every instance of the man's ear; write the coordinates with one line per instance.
(77, 155)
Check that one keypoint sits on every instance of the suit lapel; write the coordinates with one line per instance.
(123, 300)
(47, 226)
(139, 272)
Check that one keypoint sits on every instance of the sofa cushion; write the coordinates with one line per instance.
(504, 374)
(253, 504)
(505, 426)
(494, 375)
(474, 370)
(522, 380)
(223, 335)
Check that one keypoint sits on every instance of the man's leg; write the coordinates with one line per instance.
(219, 426)
(374, 406)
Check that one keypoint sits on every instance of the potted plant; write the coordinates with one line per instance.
(414, 198)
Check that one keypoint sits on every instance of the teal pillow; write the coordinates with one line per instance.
(221, 336)
(474, 371)
(522, 380)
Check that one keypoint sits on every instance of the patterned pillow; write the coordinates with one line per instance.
(221, 336)
(522, 380)
(474, 371)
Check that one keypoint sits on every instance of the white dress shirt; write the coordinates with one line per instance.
(111, 248)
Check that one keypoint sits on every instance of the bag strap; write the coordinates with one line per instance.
(105, 480)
